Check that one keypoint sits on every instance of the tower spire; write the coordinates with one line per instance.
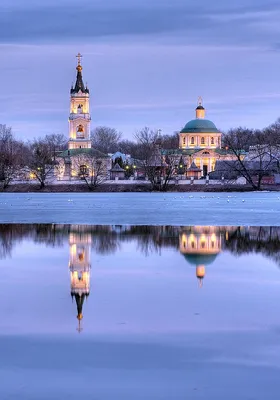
(79, 85)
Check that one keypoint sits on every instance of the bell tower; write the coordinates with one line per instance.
(79, 265)
(79, 118)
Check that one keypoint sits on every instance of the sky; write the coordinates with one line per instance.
(146, 63)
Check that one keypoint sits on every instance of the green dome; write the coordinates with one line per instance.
(200, 259)
(200, 126)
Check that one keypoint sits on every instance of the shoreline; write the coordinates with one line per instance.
(132, 188)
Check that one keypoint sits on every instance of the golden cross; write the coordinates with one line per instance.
(79, 56)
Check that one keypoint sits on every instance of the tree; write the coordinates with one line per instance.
(91, 167)
(260, 159)
(105, 139)
(170, 141)
(11, 156)
(57, 143)
(40, 162)
(158, 168)
(128, 147)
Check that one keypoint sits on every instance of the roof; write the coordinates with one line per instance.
(119, 154)
(200, 259)
(189, 152)
(200, 107)
(200, 125)
(193, 168)
(79, 86)
(75, 152)
(117, 168)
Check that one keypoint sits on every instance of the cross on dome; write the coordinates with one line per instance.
(200, 101)
(79, 57)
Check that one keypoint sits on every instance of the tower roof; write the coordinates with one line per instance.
(80, 301)
(79, 85)
(200, 126)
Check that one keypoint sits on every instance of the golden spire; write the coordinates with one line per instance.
(79, 57)
(79, 317)
(200, 101)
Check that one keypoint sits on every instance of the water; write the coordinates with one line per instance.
(260, 208)
(139, 312)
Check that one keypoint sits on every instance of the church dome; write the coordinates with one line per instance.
(200, 259)
(200, 126)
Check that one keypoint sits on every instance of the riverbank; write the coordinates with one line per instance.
(125, 188)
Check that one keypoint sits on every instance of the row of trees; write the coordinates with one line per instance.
(262, 148)
(38, 157)
(19, 159)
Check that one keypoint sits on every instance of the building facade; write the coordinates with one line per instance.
(200, 145)
(79, 118)
(81, 161)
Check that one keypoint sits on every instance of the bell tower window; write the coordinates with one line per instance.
(212, 140)
(80, 132)
(192, 140)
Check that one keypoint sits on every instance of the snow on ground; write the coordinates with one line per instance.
(253, 208)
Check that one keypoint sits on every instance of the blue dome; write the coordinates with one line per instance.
(200, 126)
(200, 259)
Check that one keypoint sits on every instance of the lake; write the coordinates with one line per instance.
(139, 312)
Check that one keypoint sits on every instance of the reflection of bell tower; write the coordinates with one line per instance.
(79, 119)
(200, 247)
(79, 265)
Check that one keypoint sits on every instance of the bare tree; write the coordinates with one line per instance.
(258, 161)
(11, 156)
(158, 168)
(91, 167)
(105, 139)
(40, 162)
(57, 143)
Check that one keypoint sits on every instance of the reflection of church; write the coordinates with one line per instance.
(200, 246)
(79, 264)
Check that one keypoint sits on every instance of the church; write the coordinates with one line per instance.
(200, 146)
(80, 160)
(200, 142)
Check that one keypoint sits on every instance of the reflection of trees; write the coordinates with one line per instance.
(109, 239)
(262, 239)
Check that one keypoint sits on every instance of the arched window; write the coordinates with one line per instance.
(212, 140)
(83, 170)
(80, 109)
(202, 140)
(192, 140)
(80, 132)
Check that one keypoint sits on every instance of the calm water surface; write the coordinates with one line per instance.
(139, 312)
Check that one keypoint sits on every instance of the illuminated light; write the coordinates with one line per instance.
(127, 167)
(213, 237)
(32, 175)
(200, 271)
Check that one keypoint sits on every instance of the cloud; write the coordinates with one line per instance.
(191, 23)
